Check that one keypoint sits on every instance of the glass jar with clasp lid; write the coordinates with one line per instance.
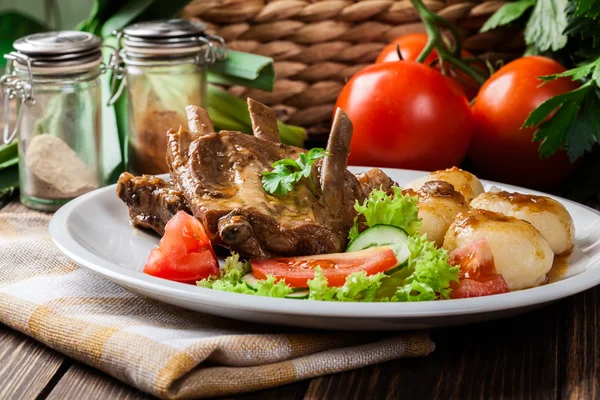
(163, 69)
(54, 77)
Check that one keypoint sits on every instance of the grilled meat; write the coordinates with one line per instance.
(152, 202)
(218, 175)
(375, 179)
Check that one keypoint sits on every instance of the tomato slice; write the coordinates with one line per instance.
(297, 271)
(477, 273)
(184, 253)
(484, 287)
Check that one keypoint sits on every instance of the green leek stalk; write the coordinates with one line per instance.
(243, 69)
(236, 110)
(9, 170)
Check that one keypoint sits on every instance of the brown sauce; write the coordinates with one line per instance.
(534, 203)
(559, 269)
(440, 189)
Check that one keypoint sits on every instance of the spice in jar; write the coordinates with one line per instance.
(164, 70)
(54, 76)
(55, 170)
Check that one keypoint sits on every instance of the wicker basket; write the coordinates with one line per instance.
(318, 44)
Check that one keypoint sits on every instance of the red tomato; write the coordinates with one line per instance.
(411, 46)
(477, 273)
(406, 115)
(484, 287)
(184, 253)
(297, 271)
(500, 148)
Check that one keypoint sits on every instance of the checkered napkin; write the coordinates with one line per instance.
(158, 348)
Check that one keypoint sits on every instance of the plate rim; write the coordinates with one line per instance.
(59, 232)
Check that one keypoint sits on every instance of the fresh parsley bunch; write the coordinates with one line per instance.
(287, 172)
(568, 31)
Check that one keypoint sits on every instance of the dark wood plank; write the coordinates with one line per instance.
(550, 353)
(294, 391)
(98, 385)
(81, 381)
(26, 366)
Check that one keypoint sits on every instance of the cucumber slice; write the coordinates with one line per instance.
(250, 280)
(302, 294)
(384, 235)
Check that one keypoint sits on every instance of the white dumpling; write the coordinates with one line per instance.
(438, 204)
(464, 182)
(521, 254)
(547, 215)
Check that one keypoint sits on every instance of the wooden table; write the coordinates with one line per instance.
(553, 352)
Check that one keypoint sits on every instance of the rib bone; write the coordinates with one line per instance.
(264, 121)
(198, 121)
(334, 165)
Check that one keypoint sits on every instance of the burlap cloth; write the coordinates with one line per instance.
(160, 349)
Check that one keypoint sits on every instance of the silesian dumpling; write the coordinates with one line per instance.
(547, 215)
(438, 205)
(464, 182)
(521, 254)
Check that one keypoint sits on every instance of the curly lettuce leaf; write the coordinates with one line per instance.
(396, 209)
(230, 280)
(430, 274)
(358, 287)
(268, 287)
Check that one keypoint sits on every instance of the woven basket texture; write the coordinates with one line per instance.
(318, 45)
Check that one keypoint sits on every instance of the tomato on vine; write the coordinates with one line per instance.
(501, 148)
(412, 45)
(406, 115)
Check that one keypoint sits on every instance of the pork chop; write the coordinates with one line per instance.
(217, 176)
(220, 176)
(152, 202)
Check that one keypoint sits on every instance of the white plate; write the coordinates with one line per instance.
(94, 231)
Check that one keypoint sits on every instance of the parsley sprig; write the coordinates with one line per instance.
(287, 172)
(567, 30)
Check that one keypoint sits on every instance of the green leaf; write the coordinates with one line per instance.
(287, 172)
(125, 15)
(9, 180)
(9, 152)
(268, 287)
(161, 9)
(584, 132)
(578, 73)
(225, 122)
(279, 181)
(9, 163)
(507, 14)
(233, 112)
(15, 25)
(230, 273)
(538, 115)
(307, 160)
(430, 274)
(587, 8)
(553, 133)
(230, 280)
(358, 287)
(396, 209)
(244, 69)
(546, 25)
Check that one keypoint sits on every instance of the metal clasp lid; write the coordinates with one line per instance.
(13, 88)
(64, 52)
(155, 43)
